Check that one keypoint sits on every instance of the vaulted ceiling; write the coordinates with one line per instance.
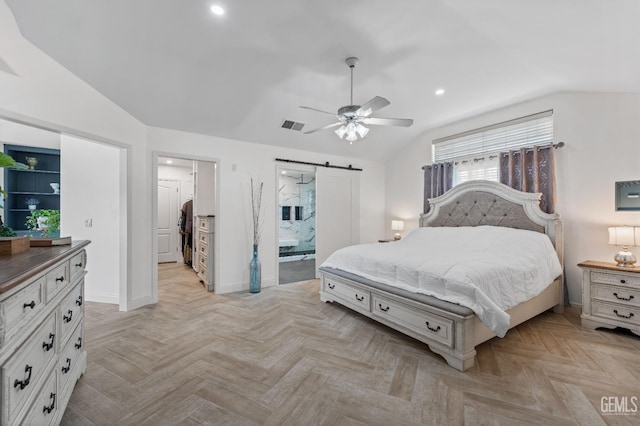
(173, 64)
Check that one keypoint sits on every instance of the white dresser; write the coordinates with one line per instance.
(42, 351)
(610, 296)
(205, 250)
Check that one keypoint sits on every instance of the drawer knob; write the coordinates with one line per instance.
(47, 346)
(29, 305)
(383, 309)
(359, 298)
(24, 382)
(79, 300)
(67, 367)
(623, 298)
(48, 409)
(78, 265)
(623, 281)
(435, 330)
(61, 279)
(331, 286)
(79, 344)
(615, 311)
(67, 318)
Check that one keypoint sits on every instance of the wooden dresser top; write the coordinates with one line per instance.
(16, 268)
(607, 265)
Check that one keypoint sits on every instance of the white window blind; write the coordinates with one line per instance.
(485, 168)
(531, 130)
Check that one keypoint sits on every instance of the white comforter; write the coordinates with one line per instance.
(488, 269)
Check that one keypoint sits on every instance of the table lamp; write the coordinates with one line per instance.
(397, 225)
(625, 236)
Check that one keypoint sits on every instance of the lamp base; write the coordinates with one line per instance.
(625, 259)
(397, 236)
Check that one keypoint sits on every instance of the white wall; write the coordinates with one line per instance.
(602, 137)
(237, 162)
(37, 90)
(90, 190)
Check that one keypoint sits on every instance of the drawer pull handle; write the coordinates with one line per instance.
(623, 281)
(48, 345)
(67, 367)
(359, 298)
(79, 344)
(29, 305)
(615, 311)
(50, 408)
(435, 330)
(67, 318)
(383, 309)
(61, 279)
(78, 265)
(79, 300)
(331, 286)
(623, 298)
(25, 382)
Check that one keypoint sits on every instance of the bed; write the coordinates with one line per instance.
(451, 329)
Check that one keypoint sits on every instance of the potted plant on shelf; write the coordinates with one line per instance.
(32, 203)
(47, 222)
(6, 233)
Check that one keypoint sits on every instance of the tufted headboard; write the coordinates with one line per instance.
(480, 202)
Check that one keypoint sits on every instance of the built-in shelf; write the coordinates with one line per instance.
(23, 184)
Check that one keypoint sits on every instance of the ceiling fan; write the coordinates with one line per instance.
(352, 117)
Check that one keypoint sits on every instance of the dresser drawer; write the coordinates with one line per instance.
(203, 249)
(621, 313)
(21, 374)
(77, 264)
(425, 323)
(203, 238)
(205, 225)
(69, 356)
(56, 280)
(45, 407)
(23, 305)
(621, 295)
(70, 311)
(616, 279)
(351, 295)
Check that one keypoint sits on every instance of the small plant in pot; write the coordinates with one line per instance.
(32, 203)
(47, 222)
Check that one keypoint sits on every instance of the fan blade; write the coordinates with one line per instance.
(372, 105)
(319, 110)
(328, 126)
(402, 122)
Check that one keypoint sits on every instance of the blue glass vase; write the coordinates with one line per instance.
(254, 282)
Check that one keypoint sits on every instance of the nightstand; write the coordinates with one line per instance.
(610, 296)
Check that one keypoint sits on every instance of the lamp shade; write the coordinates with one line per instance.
(397, 225)
(628, 236)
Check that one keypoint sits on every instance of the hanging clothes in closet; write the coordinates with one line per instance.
(186, 230)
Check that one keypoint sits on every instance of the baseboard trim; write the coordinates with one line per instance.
(102, 298)
(244, 286)
(138, 303)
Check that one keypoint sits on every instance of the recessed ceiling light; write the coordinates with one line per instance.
(439, 92)
(169, 162)
(284, 172)
(217, 10)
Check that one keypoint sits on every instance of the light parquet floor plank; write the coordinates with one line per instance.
(283, 357)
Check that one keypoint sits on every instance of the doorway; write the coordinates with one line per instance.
(296, 225)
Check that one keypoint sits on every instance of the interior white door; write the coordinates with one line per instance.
(168, 210)
(337, 211)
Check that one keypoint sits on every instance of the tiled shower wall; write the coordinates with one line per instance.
(298, 190)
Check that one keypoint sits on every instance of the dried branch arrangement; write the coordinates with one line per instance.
(256, 205)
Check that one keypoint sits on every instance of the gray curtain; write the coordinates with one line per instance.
(438, 179)
(531, 170)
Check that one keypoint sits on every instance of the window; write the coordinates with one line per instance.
(476, 153)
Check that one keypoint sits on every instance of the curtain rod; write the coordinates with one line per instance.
(553, 145)
(331, 166)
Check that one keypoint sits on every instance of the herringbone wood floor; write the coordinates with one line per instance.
(284, 357)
